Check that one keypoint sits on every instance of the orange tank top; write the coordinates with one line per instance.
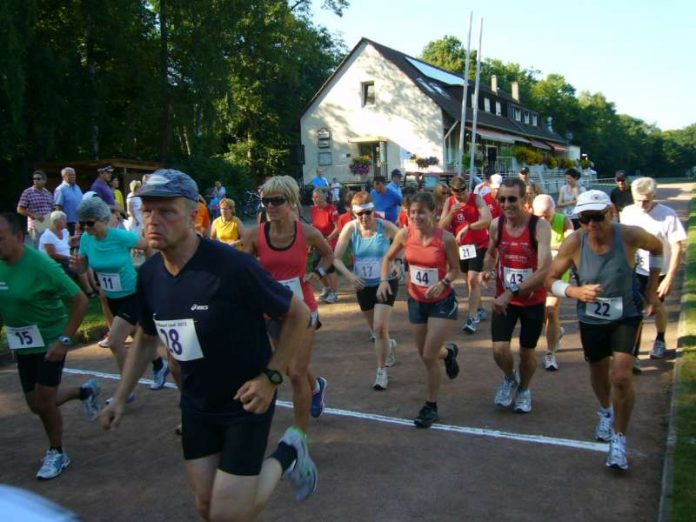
(427, 264)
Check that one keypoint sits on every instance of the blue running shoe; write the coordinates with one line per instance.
(53, 465)
(303, 474)
(318, 403)
(91, 403)
(159, 377)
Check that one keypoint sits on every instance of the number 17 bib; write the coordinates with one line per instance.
(180, 338)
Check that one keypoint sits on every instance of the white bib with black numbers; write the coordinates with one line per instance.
(425, 277)
(467, 252)
(109, 282)
(295, 286)
(180, 338)
(606, 308)
(367, 267)
(515, 276)
(22, 337)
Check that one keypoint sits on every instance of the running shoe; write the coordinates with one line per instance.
(605, 426)
(658, 349)
(324, 293)
(159, 377)
(616, 458)
(470, 326)
(503, 396)
(637, 368)
(561, 334)
(303, 474)
(381, 380)
(451, 364)
(104, 343)
(391, 356)
(523, 401)
(318, 396)
(481, 315)
(550, 363)
(131, 398)
(91, 402)
(52, 465)
(426, 417)
(373, 337)
(331, 298)
(178, 430)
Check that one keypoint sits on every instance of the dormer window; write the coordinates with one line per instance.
(535, 120)
(498, 109)
(517, 113)
(487, 104)
(368, 93)
(526, 117)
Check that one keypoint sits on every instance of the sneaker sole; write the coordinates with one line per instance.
(377, 387)
(63, 468)
(521, 410)
(551, 368)
(617, 467)
(655, 356)
(420, 424)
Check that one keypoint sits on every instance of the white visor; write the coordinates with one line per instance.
(362, 208)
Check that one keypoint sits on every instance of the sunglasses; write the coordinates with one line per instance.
(276, 202)
(509, 199)
(586, 218)
(458, 191)
(364, 213)
(84, 224)
(37, 179)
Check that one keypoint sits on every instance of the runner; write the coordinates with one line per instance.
(325, 220)
(33, 289)
(432, 306)
(520, 243)
(108, 252)
(561, 227)
(369, 237)
(609, 308)
(281, 244)
(466, 215)
(206, 301)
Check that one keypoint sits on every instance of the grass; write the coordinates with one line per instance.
(684, 493)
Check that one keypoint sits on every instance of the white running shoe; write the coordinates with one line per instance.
(616, 458)
(373, 337)
(53, 465)
(481, 315)
(605, 427)
(550, 363)
(391, 355)
(503, 396)
(637, 368)
(523, 401)
(325, 292)
(470, 326)
(104, 343)
(658, 350)
(331, 298)
(381, 380)
(159, 377)
(561, 334)
(91, 403)
(303, 474)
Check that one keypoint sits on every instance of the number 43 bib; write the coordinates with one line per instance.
(180, 338)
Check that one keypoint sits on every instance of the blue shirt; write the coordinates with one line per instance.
(388, 202)
(318, 182)
(396, 188)
(111, 259)
(103, 191)
(68, 197)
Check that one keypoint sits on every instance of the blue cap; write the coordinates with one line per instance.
(169, 183)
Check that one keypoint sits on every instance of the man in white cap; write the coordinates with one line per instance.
(609, 308)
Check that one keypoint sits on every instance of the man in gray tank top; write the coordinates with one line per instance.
(610, 308)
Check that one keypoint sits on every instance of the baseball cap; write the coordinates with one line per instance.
(496, 181)
(396, 172)
(169, 183)
(107, 168)
(620, 174)
(591, 200)
(524, 170)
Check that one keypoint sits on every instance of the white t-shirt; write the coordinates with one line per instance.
(482, 189)
(336, 191)
(61, 246)
(663, 223)
(568, 194)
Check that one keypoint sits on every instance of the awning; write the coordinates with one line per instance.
(495, 136)
(540, 145)
(367, 139)
(558, 147)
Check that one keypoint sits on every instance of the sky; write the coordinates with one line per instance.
(640, 54)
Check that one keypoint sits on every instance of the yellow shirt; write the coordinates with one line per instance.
(226, 231)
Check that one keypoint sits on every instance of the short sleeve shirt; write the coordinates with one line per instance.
(388, 202)
(103, 191)
(32, 293)
(318, 182)
(225, 294)
(112, 256)
(60, 244)
(37, 202)
(69, 198)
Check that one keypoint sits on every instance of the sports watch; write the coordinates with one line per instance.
(515, 289)
(274, 376)
(65, 341)
(320, 271)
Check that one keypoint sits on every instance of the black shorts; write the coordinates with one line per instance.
(367, 297)
(240, 443)
(602, 340)
(419, 313)
(33, 369)
(475, 264)
(643, 282)
(124, 307)
(531, 318)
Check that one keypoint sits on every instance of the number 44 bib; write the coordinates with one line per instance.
(180, 338)
(423, 276)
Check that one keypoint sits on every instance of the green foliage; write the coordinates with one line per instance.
(551, 162)
(528, 156)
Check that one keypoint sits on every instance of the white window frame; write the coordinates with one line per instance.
(526, 117)
(535, 120)
(487, 104)
(366, 102)
(498, 109)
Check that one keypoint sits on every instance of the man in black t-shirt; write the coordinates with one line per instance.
(207, 303)
(621, 194)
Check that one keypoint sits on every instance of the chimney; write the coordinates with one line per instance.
(515, 91)
(549, 123)
(494, 83)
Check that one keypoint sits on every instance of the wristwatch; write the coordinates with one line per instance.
(65, 341)
(445, 281)
(515, 289)
(320, 271)
(274, 376)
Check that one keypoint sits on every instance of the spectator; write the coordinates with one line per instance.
(335, 192)
(202, 218)
(134, 206)
(228, 228)
(533, 190)
(621, 195)
(387, 202)
(218, 191)
(102, 185)
(36, 203)
(319, 181)
(396, 179)
(67, 197)
(118, 195)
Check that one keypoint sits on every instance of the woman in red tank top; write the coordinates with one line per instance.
(281, 245)
(466, 215)
(432, 307)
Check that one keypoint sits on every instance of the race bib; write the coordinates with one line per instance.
(467, 252)
(109, 282)
(24, 337)
(294, 286)
(425, 277)
(515, 276)
(368, 267)
(606, 308)
(179, 336)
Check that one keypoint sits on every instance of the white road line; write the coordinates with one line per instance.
(480, 432)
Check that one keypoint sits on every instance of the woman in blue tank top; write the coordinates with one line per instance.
(370, 238)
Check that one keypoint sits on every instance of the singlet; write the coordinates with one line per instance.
(557, 237)
(427, 265)
(368, 253)
(466, 215)
(621, 296)
(492, 204)
(517, 261)
(226, 231)
(287, 265)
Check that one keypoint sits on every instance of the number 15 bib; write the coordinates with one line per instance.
(180, 338)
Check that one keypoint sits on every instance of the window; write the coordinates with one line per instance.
(368, 93)
(487, 104)
(517, 112)
(498, 109)
(473, 102)
(526, 117)
(534, 120)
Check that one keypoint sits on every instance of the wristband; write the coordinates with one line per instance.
(320, 271)
(445, 281)
(559, 287)
(656, 262)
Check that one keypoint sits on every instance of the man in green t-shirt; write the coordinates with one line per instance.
(39, 331)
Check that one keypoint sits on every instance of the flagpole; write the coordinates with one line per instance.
(474, 108)
(462, 122)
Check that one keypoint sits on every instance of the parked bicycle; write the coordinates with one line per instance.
(251, 205)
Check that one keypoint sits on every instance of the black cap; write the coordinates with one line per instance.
(396, 172)
(524, 170)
